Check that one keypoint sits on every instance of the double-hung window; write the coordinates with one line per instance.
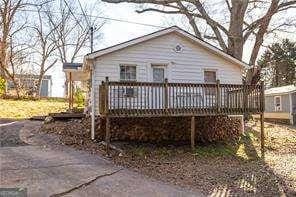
(128, 73)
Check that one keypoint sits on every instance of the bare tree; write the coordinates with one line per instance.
(44, 48)
(8, 11)
(11, 53)
(16, 60)
(71, 30)
(231, 22)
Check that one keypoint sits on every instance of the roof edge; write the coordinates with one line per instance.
(161, 32)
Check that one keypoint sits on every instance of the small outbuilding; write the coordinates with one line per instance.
(280, 104)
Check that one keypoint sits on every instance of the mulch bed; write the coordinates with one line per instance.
(214, 169)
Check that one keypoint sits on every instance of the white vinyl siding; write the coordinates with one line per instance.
(186, 66)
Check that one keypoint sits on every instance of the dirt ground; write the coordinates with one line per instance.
(216, 169)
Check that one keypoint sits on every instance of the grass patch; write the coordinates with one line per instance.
(214, 150)
(244, 149)
(20, 109)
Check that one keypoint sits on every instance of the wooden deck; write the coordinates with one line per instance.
(146, 99)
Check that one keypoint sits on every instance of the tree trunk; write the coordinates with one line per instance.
(16, 87)
(38, 85)
(235, 37)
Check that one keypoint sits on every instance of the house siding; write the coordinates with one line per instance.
(187, 66)
(269, 103)
(284, 115)
(293, 96)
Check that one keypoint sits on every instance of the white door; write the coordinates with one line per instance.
(158, 75)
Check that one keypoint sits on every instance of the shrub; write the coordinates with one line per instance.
(2, 86)
(79, 97)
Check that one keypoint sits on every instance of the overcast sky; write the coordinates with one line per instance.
(115, 32)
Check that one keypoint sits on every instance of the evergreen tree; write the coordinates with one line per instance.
(279, 63)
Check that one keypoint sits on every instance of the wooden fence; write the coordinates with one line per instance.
(124, 99)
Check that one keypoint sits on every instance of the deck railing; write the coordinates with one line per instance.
(178, 99)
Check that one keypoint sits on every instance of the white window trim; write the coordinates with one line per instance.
(274, 103)
(210, 69)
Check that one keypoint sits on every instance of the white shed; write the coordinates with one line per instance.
(280, 104)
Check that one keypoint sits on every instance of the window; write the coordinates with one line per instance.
(277, 103)
(210, 76)
(158, 74)
(128, 73)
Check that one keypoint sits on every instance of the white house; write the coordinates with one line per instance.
(170, 53)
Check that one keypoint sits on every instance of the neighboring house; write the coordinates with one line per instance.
(280, 104)
(170, 53)
(28, 83)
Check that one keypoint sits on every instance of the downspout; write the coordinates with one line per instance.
(92, 101)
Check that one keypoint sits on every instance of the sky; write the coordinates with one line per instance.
(116, 32)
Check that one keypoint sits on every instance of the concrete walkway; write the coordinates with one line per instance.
(26, 160)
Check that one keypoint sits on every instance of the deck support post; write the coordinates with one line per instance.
(262, 136)
(262, 107)
(107, 137)
(192, 132)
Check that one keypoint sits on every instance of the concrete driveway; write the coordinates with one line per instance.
(28, 160)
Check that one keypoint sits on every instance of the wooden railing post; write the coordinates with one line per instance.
(245, 97)
(106, 91)
(102, 98)
(166, 95)
(218, 96)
